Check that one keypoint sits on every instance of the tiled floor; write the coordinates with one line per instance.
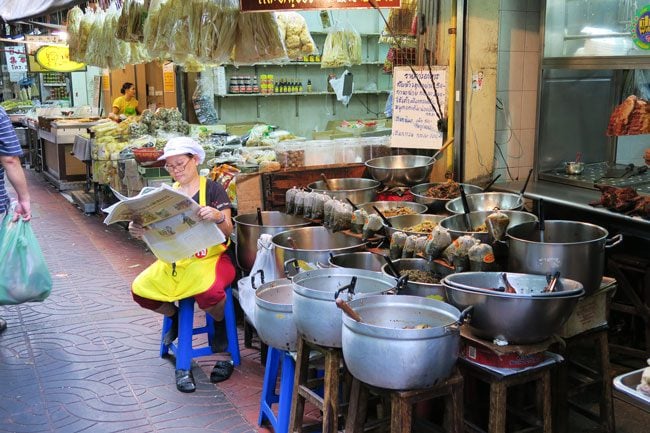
(86, 359)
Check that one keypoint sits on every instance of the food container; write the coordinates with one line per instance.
(575, 249)
(487, 201)
(417, 288)
(313, 245)
(249, 231)
(516, 318)
(358, 190)
(148, 156)
(625, 389)
(574, 168)
(437, 205)
(456, 225)
(316, 315)
(290, 156)
(388, 208)
(400, 170)
(383, 351)
(402, 222)
(274, 314)
(360, 260)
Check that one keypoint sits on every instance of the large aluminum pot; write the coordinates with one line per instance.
(575, 249)
(400, 170)
(402, 222)
(357, 189)
(315, 313)
(274, 316)
(382, 352)
(437, 205)
(360, 260)
(516, 318)
(456, 224)
(313, 245)
(487, 201)
(416, 288)
(249, 231)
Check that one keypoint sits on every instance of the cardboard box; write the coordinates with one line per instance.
(248, 188)
(590, 312)
(485, 356)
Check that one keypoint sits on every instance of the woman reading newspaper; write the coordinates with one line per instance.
(204, 275)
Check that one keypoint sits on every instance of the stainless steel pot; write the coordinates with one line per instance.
(313, 245)
(274, 314)
(358, 190)
(487, 201)
(380, 351)
(249, 231)
(437, 205)
(402, 222)
(400, 170)
(575, 249)
(415, 288)
(386, 206)
(456, 225)
(360, 260)
(315, 313)
(518, 319)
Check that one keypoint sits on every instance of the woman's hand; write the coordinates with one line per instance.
(208, 213)
(136, 230)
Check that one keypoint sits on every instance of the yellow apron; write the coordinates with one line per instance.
(170, 282)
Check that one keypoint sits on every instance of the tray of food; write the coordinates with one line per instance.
(634, 388)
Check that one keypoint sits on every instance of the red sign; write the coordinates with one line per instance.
(291, 5)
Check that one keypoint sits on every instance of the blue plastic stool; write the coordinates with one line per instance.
(274, 359)
(183, 350)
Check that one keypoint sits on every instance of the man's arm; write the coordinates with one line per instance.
(16, 176)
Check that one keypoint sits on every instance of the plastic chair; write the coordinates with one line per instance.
(183, 349)
(276, 359)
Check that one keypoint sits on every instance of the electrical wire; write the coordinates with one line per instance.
(504, 160)
(358, 98)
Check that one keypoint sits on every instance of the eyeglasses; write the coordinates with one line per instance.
(177, 167)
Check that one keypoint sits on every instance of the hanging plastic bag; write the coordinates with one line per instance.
(24, 276)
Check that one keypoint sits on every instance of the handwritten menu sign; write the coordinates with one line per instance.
(16, 59)
(415, 124)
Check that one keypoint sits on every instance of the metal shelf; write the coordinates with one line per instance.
(360, 92)
(55, 84)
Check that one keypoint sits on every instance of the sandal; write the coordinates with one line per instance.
(185, 381)
(221, 371)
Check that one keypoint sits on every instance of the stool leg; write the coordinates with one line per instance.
(357, 408)
(401, 414)
(546, 411)
(331, 394)
(166, 324)
(268, 396)
(185, 331)
(497, 419)
(286, 388)
(606, 402)
(231, 328)
(300, 377)
(454, 409)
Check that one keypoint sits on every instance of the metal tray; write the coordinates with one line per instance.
(593, 173)
(625, 389)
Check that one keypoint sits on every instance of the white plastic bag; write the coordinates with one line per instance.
(262, 272)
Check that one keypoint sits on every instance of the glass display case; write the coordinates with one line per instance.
(591, 63)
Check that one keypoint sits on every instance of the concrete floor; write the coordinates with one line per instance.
(86, 359)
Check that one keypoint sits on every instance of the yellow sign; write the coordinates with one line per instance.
(57, 59)
(168, 78)
(106, 82)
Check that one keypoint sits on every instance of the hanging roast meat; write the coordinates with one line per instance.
(624, 200)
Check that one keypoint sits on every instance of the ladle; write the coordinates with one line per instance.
(259, 217)
(553, 283)
(292, 243)
(347, 309)
(326, 181)
(463, 198)
(523, 189)
(354, 206)
(491, 183)
(540, 211)
(383, 218)
(509, 287)
(391, 266)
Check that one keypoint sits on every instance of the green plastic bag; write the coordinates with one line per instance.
(24, 276)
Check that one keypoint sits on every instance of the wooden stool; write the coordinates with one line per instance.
(587, 376)
(499, 385)
(303, 388)
(401, 417)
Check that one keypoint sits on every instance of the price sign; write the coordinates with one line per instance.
(168, 78)
(415, 123)
(16, 58)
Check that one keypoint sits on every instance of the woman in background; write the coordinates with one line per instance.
(125, 105)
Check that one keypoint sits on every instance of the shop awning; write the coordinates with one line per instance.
(13, 10)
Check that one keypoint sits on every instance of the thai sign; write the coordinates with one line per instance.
(57, 59)
(294, 5)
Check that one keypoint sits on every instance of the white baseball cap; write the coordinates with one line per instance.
(181, 146)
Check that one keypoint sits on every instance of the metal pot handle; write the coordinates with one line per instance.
(295, 264)
(259, 271)
(615, 240)
(349, 287)
(465, 316)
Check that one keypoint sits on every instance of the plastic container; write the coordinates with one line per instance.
(290, 156)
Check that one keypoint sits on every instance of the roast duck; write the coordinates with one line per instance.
(624, 200)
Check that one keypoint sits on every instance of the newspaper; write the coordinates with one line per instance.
(174, 231)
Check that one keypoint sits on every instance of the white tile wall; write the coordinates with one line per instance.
(517, 82)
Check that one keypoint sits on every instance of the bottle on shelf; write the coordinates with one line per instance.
(309, 87)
